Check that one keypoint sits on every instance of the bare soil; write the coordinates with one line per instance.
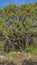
(19, 61)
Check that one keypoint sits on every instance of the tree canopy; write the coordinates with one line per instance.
(18, 26)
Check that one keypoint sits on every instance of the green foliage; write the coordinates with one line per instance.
(18, 25)
(32, 49)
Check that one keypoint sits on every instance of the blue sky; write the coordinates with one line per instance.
(17, 2)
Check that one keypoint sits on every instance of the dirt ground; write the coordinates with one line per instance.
(19, 61)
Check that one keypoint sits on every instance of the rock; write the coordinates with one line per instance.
(29, 55)
(18, 52)
(2, 56)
